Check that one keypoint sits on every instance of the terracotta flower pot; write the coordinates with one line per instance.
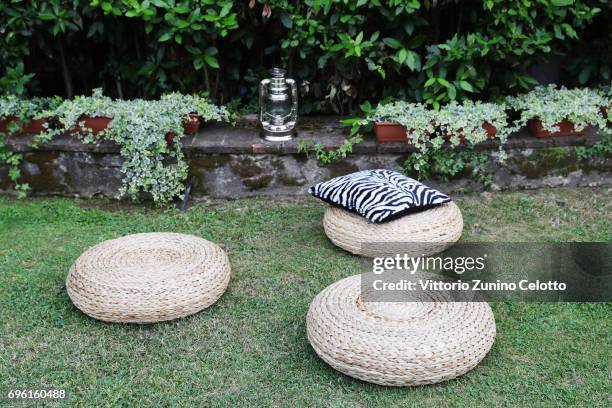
(566, 128)
(35, 127)
(5, 123)
(95, 124)
(191, 126)
(390, 132)
(169, 138)
(489, 128)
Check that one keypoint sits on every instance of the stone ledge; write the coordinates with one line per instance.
(235, 162)
(224, 139)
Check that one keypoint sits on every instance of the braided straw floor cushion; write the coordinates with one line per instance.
(398, 343)
(146, 278)
(424, 233)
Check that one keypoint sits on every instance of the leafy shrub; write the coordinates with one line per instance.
(342, 52)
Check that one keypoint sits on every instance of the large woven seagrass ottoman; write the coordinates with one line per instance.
(422, 233)
(398, 343)
(147, 278)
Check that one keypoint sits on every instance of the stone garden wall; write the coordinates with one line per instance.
(235, 162)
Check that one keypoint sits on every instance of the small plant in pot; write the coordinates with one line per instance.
(196, 109)
(549, 112)
(150, 134)
(606, 94)
(472, 122)
(402, 121)
(191, 125)
(86, 115)
(418, 127)
(25, 115)
(10, 105)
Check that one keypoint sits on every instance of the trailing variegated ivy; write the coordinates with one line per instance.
(148, 133)
(16, 114)
(418, 120)
(25, 110)
(469, 123)
(206, 110)
(472, 122)
(582, 107)
(428, 130)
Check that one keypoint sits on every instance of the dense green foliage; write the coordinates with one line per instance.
(342, 52)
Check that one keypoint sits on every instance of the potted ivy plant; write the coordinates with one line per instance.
(402, 121)
(9, 107)
(606, 94)
(35, 118)
(472, 122)
(151, 165)
(196, 109)
(184, 104)
(191, 124)
(146, 132)
(25, 115)
(85, 115)
(550, 112)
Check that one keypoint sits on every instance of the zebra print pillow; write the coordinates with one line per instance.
(378, 195)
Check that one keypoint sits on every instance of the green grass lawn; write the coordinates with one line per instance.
(250, 348)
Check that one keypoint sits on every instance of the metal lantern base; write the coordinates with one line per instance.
(278, 136)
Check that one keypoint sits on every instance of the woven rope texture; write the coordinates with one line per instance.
(425, 233)
(146, 278)
(398, 343)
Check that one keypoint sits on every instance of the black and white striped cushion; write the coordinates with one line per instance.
(378, 195)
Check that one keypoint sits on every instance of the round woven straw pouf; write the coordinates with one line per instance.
(424, 233)
(146, 278)
(398, 343)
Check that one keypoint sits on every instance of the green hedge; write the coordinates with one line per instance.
(342, 52)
